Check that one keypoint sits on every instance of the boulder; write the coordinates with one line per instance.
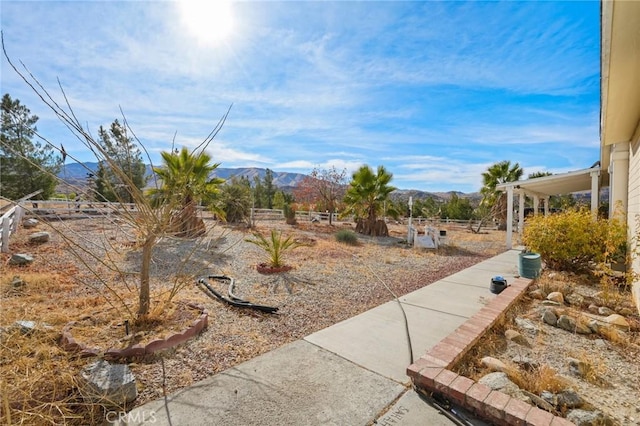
(493, 364)
(17, 282)
(539, 402)
(556, 296)
(39, 237)
(526, 324)
(582, 325)
(108, 384)
(517, 338)
(30, 223)
(568, 398)
(549, 397)
(549, 317)
(593, 308)
(589, 418)
(575, 299)
(21, 259)
(498, 381)
(566, 323)
(537, 294)
(617, 320)
(27, 327)
(604, 311)
(501, 382)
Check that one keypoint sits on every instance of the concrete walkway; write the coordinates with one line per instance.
(352, 373)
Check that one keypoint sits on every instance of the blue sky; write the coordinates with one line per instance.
(434, 91)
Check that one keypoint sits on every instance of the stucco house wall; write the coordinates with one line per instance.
(633, 212)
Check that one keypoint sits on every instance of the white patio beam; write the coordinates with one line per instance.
(509, 217)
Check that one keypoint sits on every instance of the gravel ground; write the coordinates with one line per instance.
(329, 282)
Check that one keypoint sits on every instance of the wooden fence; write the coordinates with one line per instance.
(8, 225)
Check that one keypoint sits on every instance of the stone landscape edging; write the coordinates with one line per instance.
(69, 343)
(432, 371)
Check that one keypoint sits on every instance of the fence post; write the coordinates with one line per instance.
(6, 231)
(17, 218)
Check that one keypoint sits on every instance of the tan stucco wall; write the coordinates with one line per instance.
(633, 212)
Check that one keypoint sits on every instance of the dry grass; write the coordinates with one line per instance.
(558, 282)
(40, 381)
(543, 378)
(595, 367)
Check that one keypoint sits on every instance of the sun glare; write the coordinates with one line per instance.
(208, 20)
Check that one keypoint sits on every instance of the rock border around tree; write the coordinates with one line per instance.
(266, 269)
(69, 343)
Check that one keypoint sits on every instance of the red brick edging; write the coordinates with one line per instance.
(432, 373)
(70, 344)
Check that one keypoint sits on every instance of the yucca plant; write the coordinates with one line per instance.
(275, 246)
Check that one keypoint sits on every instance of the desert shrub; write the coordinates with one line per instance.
(574, 240)
(275, 246)
(347, 236)
(289, 214)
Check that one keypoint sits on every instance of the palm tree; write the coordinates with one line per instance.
(186, 182)
(365, 199)
(496, 200)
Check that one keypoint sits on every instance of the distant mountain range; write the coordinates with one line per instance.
(77, 173)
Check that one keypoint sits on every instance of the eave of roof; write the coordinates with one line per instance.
(560, 184)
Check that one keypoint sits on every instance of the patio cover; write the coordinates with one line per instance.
(544, 187)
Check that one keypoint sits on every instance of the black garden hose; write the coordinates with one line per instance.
(232, 300)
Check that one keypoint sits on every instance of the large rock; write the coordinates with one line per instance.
(539, 402)
(604, 311)
(555, 296)
(589, 418)
(549, 317)
(526, 325)
(30, 223)
(575, 299)
(493, 364)
(500, 381)
(39, 237)
(497, 381)
(517, 338)
(568, 398)
(567, 323)
(21, 259)
(108, 384)
(617, 320)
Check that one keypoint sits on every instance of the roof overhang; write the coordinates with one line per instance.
(620, 79)
(560, 184)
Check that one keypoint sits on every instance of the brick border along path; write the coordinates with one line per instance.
(432, 372)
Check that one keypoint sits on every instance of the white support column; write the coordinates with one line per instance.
(546, 206)
(619, 180)
(595, 192)
(509, 217)
(536, 204)
(521, 213)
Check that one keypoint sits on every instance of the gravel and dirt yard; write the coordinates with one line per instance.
(330, 281)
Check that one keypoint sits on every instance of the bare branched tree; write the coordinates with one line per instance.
(147, 220)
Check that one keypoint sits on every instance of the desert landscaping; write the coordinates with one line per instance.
(330, 281)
